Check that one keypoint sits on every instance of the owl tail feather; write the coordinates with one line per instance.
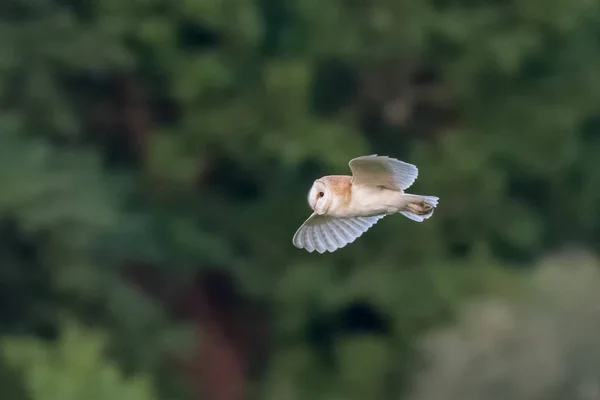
(419, 208)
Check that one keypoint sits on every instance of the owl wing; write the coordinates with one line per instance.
(383, 171)
(325, 233)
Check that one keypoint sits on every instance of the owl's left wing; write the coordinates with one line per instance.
(325, 233)
(383, 171)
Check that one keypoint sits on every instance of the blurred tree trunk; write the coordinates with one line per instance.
(231, 337)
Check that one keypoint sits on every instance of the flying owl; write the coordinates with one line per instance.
(344, 207)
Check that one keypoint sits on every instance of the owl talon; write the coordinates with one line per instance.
(421, 208)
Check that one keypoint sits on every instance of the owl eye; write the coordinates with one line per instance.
(321, 194)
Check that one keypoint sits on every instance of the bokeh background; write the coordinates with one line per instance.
(155, 157)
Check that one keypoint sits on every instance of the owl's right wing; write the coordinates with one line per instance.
(383, 171)
(325, 233)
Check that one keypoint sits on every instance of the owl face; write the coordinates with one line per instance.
(319, 197)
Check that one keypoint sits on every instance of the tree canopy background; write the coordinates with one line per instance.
(154, 161)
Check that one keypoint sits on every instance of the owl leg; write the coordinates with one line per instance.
(418, 208)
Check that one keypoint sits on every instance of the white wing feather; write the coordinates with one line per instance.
(383, 171)
(324, 233)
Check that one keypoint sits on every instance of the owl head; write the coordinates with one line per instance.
(319, 197)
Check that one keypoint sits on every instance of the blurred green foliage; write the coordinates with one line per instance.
(73, 368)
(184, 135)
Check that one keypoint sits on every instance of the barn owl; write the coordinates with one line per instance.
(344, 207)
